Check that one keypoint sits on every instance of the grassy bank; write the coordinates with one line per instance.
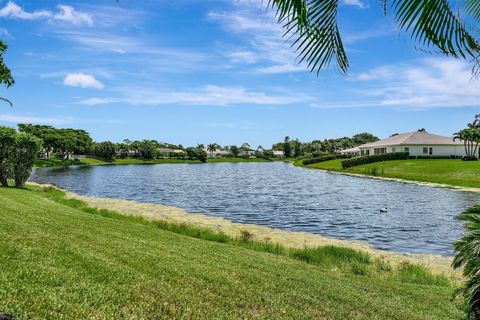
(42, 163)
(451, 172)
(63, 260)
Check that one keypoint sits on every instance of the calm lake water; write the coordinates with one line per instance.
(279, 195)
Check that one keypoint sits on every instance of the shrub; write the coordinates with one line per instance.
(434, 157)
(7, 139)
(375, 158)
(105, 150)
(326, 158)
(470, 159)
(246, 235)
(24, 153)
(467, 256)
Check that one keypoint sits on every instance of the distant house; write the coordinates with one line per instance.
(278, 153)
(218, 153)
(166, 152)
(417, 143)
(353, 151)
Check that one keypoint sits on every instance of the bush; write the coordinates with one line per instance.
(105, 150)
(375, 158)
(7, 139)
(23, 155)
(326, 158)
(470, 159)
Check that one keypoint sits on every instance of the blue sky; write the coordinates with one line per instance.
(201, 71)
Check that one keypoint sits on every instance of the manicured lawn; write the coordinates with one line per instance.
(59, 262)
(451, 172)
(90, 161)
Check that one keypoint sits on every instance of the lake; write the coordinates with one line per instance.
(420, 219)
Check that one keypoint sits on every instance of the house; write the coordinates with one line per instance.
(218, 153)
(278, 153)
(417, 143)
(353, 151)
(167, 152)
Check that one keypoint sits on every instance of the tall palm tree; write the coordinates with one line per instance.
(436, 25)
(212, 147)
(6, 77)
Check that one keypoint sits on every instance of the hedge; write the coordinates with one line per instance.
(326, 158)
(375, 158)
(435, 157)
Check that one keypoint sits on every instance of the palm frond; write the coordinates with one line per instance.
(473, 8)
(313, 26)
(433, 23)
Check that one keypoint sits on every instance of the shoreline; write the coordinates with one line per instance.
(420, 183)
(438, 264)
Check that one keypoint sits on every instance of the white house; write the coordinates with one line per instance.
(278, 153)
(417, 143)
(218, 153)
(354, 151)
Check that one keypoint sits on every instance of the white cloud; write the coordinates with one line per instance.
(82, 80)
(243, 56)
(33, 119)
(208, 95)
(65, 13)
(262, 35)
(429, 83)
(356, 3)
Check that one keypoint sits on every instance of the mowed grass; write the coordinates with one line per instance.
(452, 172)
(42, 163)
(60, 262)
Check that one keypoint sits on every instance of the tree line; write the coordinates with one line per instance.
(316, 148)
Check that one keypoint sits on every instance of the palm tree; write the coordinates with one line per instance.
(6, 77)
(212, 147)
(436, 25)
(468, 256)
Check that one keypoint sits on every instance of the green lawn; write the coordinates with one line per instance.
(59, 262)
(90, 161)
(451, 172)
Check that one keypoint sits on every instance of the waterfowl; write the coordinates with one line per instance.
(384, 209)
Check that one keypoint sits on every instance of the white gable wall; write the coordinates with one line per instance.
(416, 150)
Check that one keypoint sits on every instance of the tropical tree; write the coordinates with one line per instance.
(23, 155)
(467, 251)
(7, 140)
(6, 78)
(212, 147)
(148, 149)
(471, 139)
(105, 150)
(287, 149)
(234, 150)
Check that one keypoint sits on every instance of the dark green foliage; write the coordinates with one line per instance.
(7, 140)
(63, 142)
(196, 154)
(467, 251)
(287, 149)
(6, 77)
(147, 149)
(358, 161)
(105, 150)
(326, 158)
(24, 152)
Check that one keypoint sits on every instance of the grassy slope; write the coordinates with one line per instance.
(452, 172)
(59, 262)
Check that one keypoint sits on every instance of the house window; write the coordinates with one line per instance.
(430, 151)
(407, 149)
(367, 152)
(394, 149)
(379, 150)
(425, 150)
